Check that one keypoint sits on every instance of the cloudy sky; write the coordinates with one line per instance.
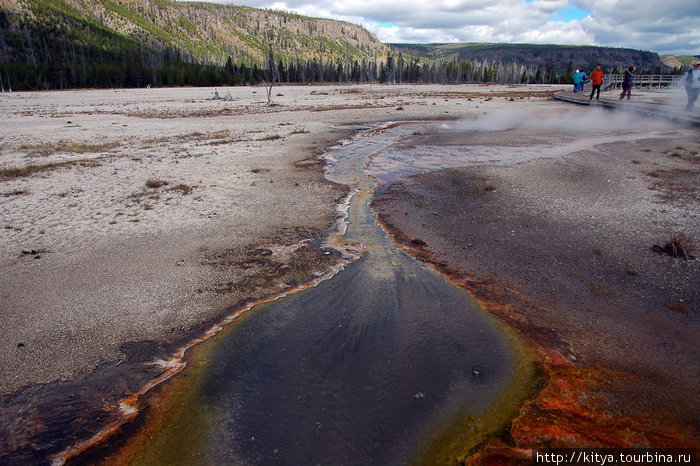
(668, 26)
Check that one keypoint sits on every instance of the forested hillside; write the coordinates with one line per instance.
(557, 59)
(59, 44)
(99, 43)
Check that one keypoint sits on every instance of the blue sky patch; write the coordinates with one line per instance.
(569, 14)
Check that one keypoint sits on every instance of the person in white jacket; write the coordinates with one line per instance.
(691, 79)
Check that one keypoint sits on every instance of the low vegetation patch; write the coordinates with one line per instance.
(12, 171)
(309, 162)
(676, 185)
(272, 137)
(654, 173)
(472, 185)
(17, 172)
(42, 150)
(16, 192)
(601, 290)
(678, 245)
(220, 134)
(154, 183)
(485, 189)
(680, 152)
(183, 189)
(678, 306)
(220, 142)
(195, 136)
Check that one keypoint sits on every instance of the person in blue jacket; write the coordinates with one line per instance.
(583, 81)
(577, 80)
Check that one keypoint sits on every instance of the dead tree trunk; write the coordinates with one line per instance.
(269, 81)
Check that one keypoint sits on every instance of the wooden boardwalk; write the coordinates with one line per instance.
(644, 81)
(668, 103)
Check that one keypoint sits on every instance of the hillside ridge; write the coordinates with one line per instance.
(59, 44)
(563, 58)
(204, 32)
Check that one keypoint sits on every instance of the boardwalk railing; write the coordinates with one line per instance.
(650, 81)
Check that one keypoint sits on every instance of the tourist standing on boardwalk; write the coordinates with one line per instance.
(577, 80)
(596, 81)
(692, 85)
(583, 81)
(627, 83)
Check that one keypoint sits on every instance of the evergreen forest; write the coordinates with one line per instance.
(47, 45)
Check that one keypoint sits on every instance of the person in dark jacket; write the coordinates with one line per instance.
(627, 83)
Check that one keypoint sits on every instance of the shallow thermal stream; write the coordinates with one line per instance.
(365, 368)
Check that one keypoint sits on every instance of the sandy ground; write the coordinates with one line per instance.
(147, 214)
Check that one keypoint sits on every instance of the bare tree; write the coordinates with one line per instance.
(270, 75)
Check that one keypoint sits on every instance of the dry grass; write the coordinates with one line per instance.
(678, 306)
(679, 245)
(153, 183)
(16, 192)
(219, 142)
(18, 172)
(684, 153)
(602, 290)
(654, 173)
(598, 289)
(485, 189)
(214, 138)
(43, 150)
(182, 189)
(475, 186)
(13, 172)
(220, 134)
(676, 185)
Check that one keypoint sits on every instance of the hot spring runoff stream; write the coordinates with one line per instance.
(385, 363)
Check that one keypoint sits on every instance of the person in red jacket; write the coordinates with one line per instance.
(596, 81)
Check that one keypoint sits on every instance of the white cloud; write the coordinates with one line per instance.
(673, 27)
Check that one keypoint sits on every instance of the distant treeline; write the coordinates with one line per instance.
(33, 58)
